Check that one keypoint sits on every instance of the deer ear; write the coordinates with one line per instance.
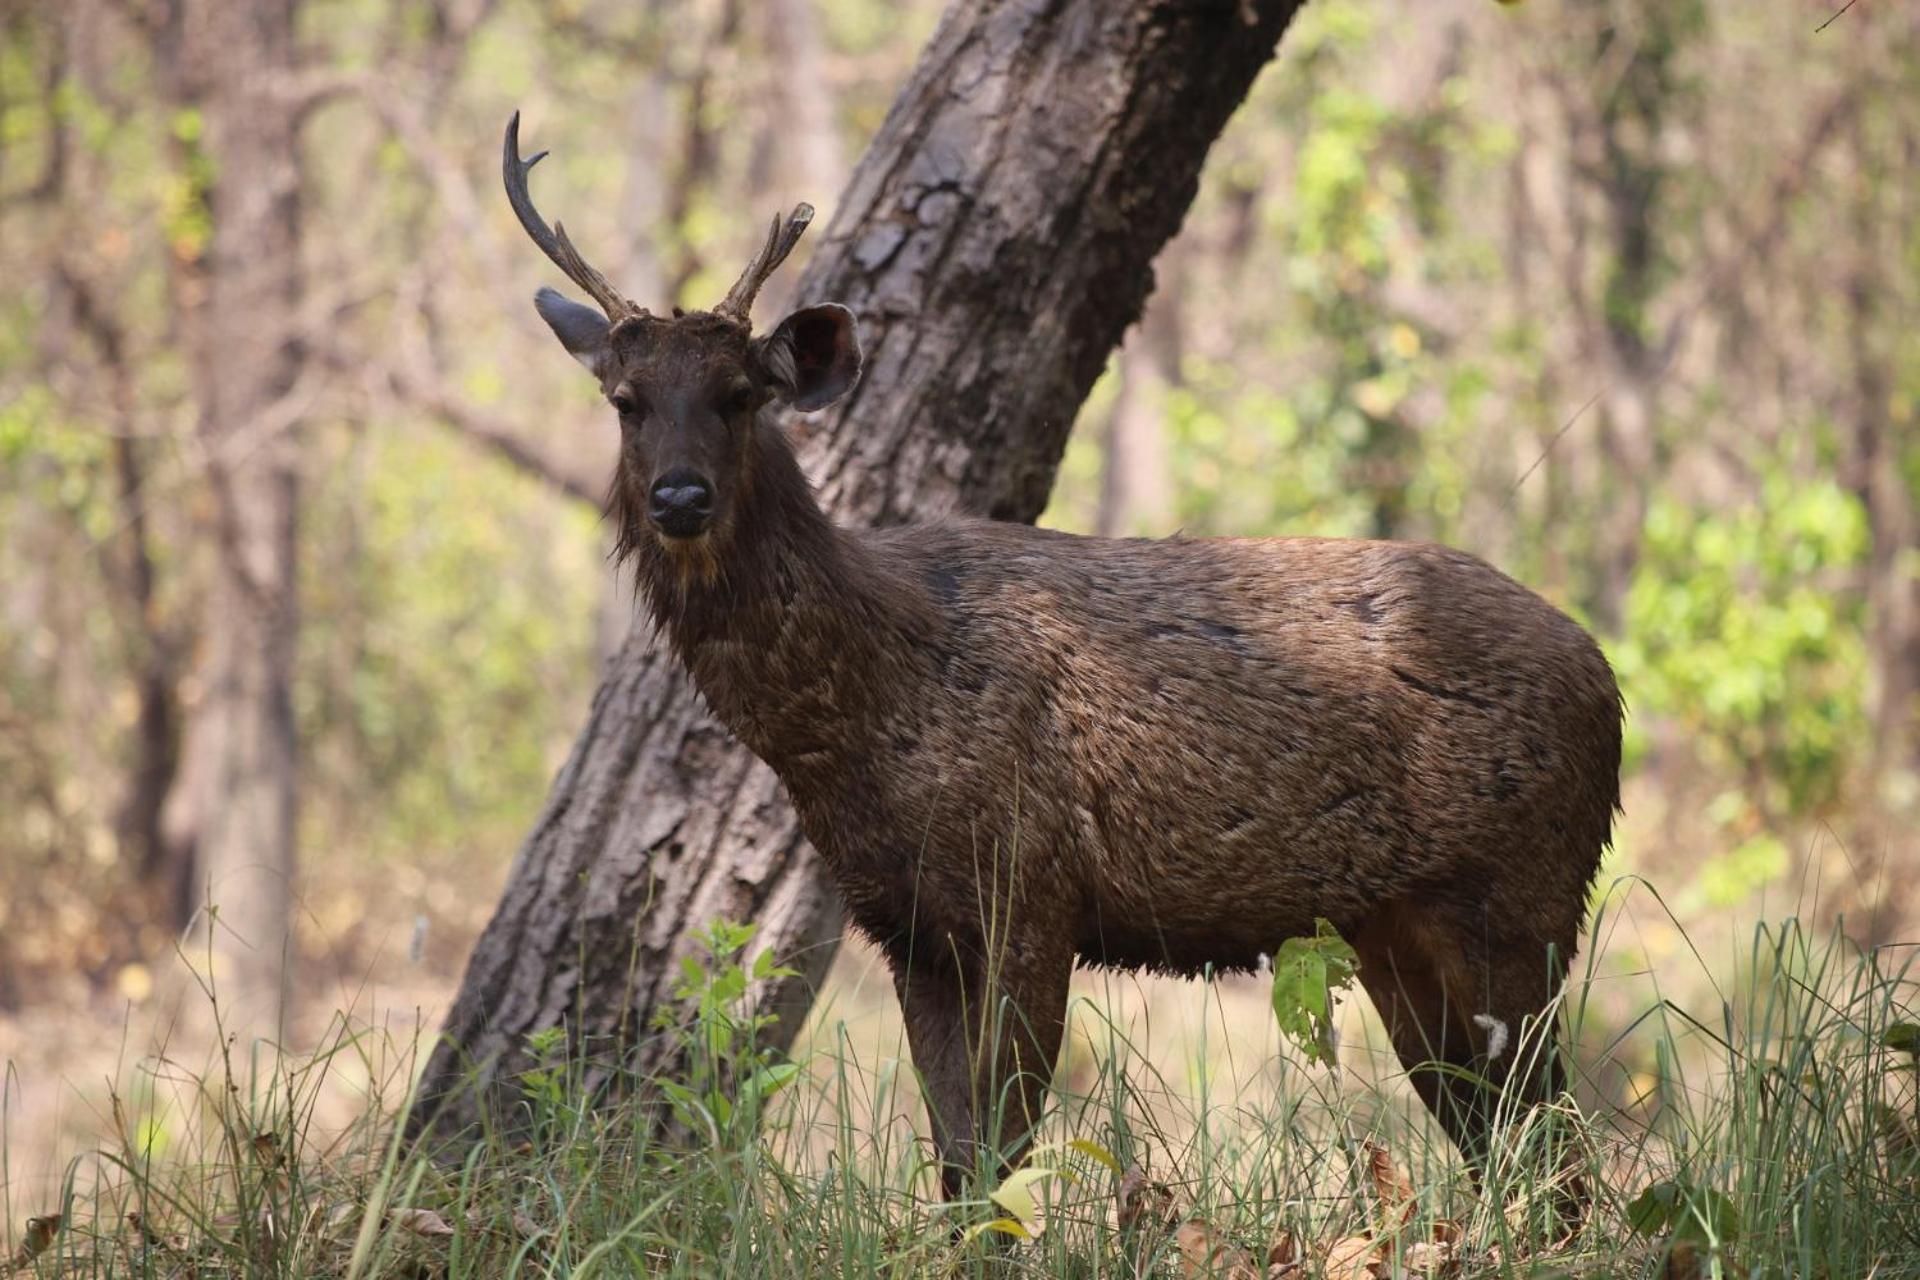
(581, 330)
(813, 358)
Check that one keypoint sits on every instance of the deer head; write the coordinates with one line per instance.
(688, 386)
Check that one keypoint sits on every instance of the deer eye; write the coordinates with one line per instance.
(741, 395)
(625, 400)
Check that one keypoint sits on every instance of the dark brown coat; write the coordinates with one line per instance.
(1017, 748)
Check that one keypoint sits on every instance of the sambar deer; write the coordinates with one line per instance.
(1017, 748)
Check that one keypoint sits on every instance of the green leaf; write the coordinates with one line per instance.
(1306, 974)
(1686, 1212)
(770, 1080)
(1903, 1037)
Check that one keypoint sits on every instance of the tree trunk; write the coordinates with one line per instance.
(245, 357)
(995, 241)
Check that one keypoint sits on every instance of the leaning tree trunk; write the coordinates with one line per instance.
(995, 241)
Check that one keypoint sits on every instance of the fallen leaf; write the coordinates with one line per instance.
(422, 1222)
(1355, 1258)
(1392, 1186)
(1130, 1197)
(39, 1238)
(1284, 1251)
(1206, 1255)
(523, 1226)
(1136, 1194)
(1015, 1195)
(1436, 1258)
(1683, 1261)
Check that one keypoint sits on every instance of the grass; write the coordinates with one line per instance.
(1774, 1130)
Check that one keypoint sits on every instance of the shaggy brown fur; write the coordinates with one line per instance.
(1017, 749)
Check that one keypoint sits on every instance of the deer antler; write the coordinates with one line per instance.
(780, 242)
(553, 240)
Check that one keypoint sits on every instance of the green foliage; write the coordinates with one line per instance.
(1741, 632)
(450, 607)
(1306, 974)
(1680, 1210)
(1775, 1159)
(731, 1075)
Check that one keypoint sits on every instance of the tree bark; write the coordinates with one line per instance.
(996, 240)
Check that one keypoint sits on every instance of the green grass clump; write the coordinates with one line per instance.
(1775, 1134)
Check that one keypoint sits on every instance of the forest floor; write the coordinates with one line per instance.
(1745, 1104)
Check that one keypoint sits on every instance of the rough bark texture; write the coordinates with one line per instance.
(996, 240)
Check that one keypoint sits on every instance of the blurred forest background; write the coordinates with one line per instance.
(301, 556)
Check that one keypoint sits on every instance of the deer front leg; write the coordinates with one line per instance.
(985, 1032)
(933, 1004)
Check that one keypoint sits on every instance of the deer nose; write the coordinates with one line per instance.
(682, 503)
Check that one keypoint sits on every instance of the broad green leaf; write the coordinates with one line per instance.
(770, 1080)
(1306, 974)
(1683, 1210)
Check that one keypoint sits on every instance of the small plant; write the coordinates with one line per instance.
(1306, 974)
(730, 1074)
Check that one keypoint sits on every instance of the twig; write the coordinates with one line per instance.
(1565, 427)
(1836, 16)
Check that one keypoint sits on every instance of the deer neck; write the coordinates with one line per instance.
(783, 622)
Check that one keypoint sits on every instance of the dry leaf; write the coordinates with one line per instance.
(1284, 1251)
(422, 1222)
(1207, 1255)
(1436, 1258)
(1683, 1261)
(1284, 1261)
(1136, 1195)
(1355, 1258)
(1393, 1187)
(1130, 1197)
(523, 1226)
(176, 1243)
(39, 1238)
(266, 1149)
(1688, 1260)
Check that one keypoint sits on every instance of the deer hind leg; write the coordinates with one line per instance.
(985, 1031)
(1466, 1015)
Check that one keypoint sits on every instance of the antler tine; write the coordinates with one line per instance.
(553, 240)
(780, 242)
